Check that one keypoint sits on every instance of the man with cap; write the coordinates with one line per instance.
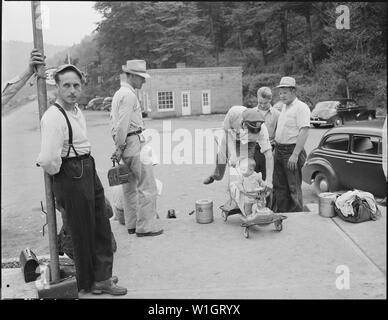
(291, 135)
(65, 155)
(127, 125)
(242, 129)
(271, 115)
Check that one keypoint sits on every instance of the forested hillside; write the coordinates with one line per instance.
(269, 39)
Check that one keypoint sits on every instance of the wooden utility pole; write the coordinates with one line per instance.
(42, 102)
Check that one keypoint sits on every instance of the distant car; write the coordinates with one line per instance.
(107, 104)
(83, 101)
(336, 112)
(95, 103)
(348, 157)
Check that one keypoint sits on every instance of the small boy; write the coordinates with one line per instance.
(249, 182)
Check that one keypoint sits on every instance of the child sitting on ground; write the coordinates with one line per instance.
(249, 182)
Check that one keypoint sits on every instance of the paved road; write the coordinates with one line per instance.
(23, 188)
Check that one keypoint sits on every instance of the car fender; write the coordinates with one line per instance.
(332, 119)
(365, 114)
(314, 166)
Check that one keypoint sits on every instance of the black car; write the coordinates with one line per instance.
(336, 112)
(348, 157)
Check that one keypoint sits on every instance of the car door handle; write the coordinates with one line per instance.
(349, 161)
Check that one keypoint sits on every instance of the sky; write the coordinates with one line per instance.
(68, 21)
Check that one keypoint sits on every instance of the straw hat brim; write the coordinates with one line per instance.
(285, 86)
(141, 74)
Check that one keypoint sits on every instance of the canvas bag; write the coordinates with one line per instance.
(362, 211)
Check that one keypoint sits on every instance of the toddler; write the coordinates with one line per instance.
(249, 182)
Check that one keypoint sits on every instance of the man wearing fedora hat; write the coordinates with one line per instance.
(127, 125)
(289, 157)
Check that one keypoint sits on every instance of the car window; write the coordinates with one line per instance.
(339, 142)
(325, 105)
(366, 145)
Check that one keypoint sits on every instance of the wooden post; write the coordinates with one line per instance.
(42, 102)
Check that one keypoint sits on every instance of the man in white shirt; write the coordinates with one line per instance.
(291, 135)
(243, 128)
(127, 125)
(65, 155)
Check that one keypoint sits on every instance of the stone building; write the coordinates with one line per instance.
(191, 91)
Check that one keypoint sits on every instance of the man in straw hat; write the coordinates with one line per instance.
(242, 129)
(65, 155)
(291, 135)
(127, 125)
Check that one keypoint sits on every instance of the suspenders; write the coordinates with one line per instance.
(70, 131)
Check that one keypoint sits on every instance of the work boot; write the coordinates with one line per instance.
(115, 279)
(108, 286)
(208, 180)
(149, 234)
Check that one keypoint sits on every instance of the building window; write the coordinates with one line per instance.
(165, 100)
(185, 100)
(205, 99)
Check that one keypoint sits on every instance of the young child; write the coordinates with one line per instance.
(249, 182)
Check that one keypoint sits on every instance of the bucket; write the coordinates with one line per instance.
(326, 204)
(204, 211)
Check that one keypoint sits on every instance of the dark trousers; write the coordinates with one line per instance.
(260, 161)
(287, 184)
(79, 191)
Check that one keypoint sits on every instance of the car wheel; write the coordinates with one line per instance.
(316, 125)
(321, 183)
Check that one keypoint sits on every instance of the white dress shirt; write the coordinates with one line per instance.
(291, 119)
(55, 138)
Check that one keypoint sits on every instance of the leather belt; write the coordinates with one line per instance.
(134, 132)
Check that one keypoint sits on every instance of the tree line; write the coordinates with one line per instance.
(268, 39)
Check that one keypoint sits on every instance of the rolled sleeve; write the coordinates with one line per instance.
(52, 141)
(263, 139)
(13, 86)
(303, 116)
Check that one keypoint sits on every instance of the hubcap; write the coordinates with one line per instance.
(324, 186)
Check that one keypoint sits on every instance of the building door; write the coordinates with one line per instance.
(206, 103)
(186, 105)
